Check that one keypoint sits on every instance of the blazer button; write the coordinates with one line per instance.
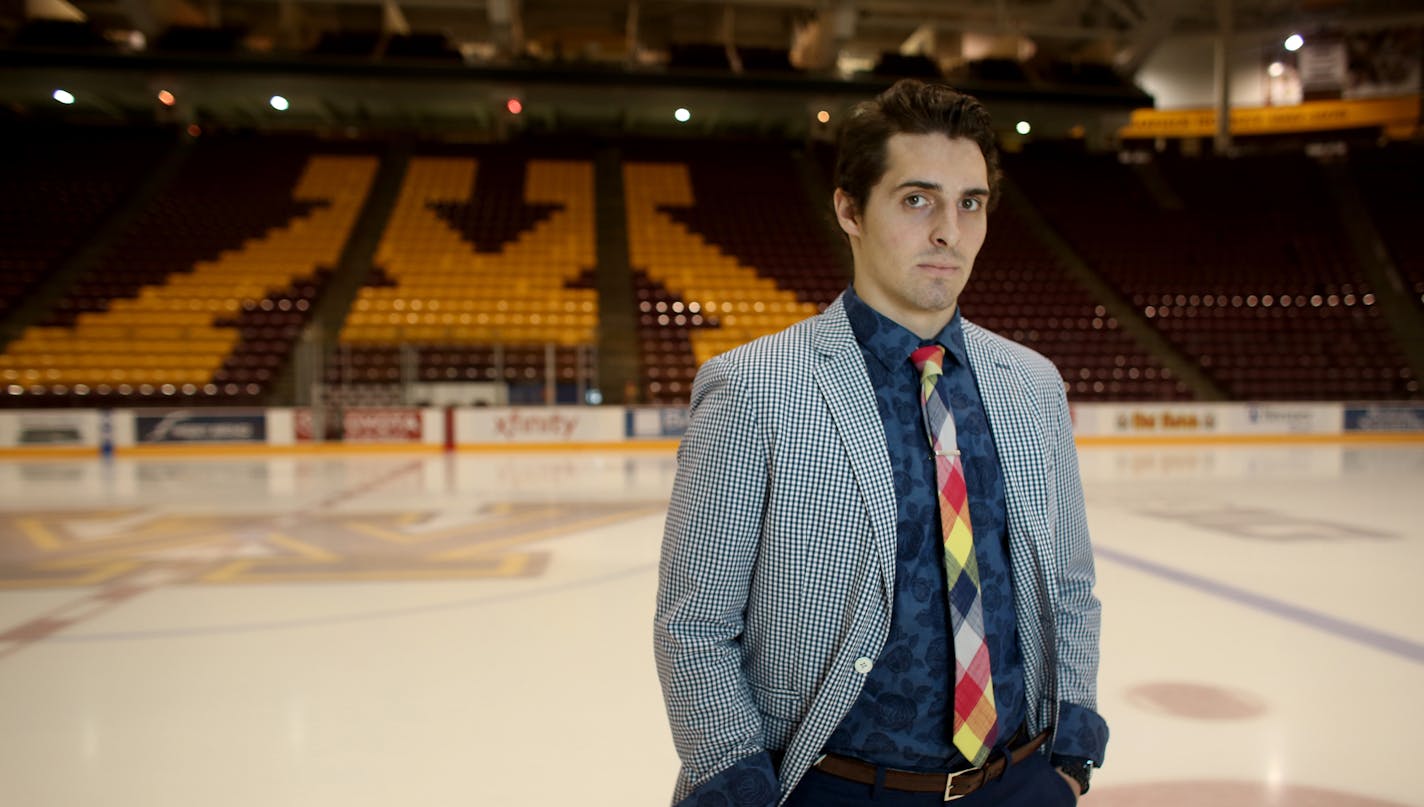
(863, 665)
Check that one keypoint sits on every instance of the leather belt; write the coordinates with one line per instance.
(952, 785)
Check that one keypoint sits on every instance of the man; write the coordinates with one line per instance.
(833, 628)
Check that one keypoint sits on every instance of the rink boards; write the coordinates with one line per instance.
(84, 431)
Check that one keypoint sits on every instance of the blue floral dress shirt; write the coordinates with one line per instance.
(904, 716)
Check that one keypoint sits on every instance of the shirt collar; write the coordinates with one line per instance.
(892, 343)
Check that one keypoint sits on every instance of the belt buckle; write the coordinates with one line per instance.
(949, 784)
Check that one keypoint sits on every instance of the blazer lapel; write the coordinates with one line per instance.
(840, 375)
(1019, 438)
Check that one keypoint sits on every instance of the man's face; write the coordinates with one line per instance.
(915, 240)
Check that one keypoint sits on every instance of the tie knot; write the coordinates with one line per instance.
(929, 360)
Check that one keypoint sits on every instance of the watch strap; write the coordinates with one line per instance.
(1080, 770)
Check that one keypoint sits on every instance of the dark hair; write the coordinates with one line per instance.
(909, 107)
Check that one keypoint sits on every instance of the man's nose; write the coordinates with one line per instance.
(946, 230)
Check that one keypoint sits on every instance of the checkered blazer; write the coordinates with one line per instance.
(778, 559)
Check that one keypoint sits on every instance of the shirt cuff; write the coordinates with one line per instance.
(1082, 733)
(750, 782)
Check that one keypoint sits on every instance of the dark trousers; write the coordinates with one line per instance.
(1031, 783)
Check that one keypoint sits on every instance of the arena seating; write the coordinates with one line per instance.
(1002, 70)
(487, 261)
(1082, 74)
(894, 63)
(60, 184)
(360, 44)
(1389, 179)
(205, 295)
(484, 262)
(422, 46)
(698, 56)
(1252, 277)
(1019, 291)
(41, 32)
(725, 247)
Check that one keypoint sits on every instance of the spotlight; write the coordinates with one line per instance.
(1276, 70)
(514, 106)
(63, 97)
(166, 98)
(823, 116)
(279, 103)
(1022, 127)
(682, 115)
(1294, 42)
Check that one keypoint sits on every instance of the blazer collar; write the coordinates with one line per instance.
(833, 334)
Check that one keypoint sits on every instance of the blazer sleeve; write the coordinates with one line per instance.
(710, 545)
(1082, 732)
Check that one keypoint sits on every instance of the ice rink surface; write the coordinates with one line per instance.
(346, 630)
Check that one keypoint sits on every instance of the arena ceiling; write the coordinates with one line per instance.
(602, 64)
(604, 28)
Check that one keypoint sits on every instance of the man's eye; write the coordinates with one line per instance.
(972, 203)
(916, 200)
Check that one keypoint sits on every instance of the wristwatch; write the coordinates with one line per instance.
(1080, 769)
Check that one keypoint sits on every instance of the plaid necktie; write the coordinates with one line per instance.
(976, 725)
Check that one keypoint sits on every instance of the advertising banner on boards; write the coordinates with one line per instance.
(370, 425)
(43, 428)
(192, 426)
(657, 422)
(1384, 418)
(557, 424)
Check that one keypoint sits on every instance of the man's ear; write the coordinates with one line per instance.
(846, 213)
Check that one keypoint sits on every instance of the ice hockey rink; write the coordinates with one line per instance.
(324, 629)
